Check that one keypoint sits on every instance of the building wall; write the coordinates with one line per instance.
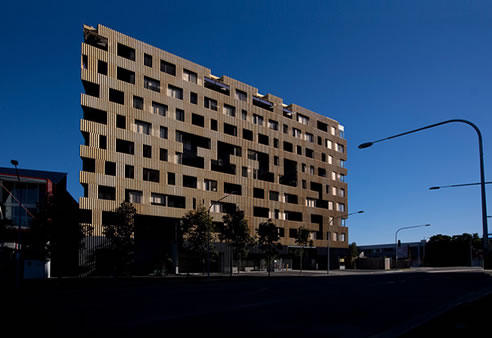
(103, 122)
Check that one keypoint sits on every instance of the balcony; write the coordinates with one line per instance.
(223, 167)
(216, 86)
(262, 103)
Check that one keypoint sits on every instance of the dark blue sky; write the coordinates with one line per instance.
(378, 67)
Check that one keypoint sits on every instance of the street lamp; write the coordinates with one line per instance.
(208, 232)
(396, 240)
(482, 170)
(456, 185)
(329, 236)
(15, 163)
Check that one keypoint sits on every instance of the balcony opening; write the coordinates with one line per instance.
(125, 147)
(229, 129)
(91, 89)
(168, 68)
(102, 67)
(88, 164)
(287, 113)
(290, 173)
(189, 181)
(152, 84)
(322, 126)
(293, 216)
(258, 193)
(92, 38)
(150, 175)
(191, 143)
(260, 212)
(95, 115)
(247, 134)
(197, 120)
(106, 193)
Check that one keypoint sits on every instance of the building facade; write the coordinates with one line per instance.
(165, 134)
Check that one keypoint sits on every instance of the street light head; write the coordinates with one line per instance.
(365, 145)
(360, 212)
(427, 225)
(434, 188)
(14, 162)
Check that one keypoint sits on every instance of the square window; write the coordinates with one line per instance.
(102, 67)
(193, 98)
(163, 132)
(120, 121)
(129, 171)
(180, 115)
(147, 151)
(159, 108)
(189, 76)
(110, 168)
(163, 154)
(138, 102)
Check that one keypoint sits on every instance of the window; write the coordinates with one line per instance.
(245, 171)
(189, 181)
(106, 193)
(171, 178)
(290, 198)
(257, 119)
(147, 151)
(85, 61)
(285, 129)
(296, 133)
(197, 120)
(163, 154)
(168, 68)
(142, 127)
(299, 150)
(133, 196)
(333, 130)
(303, 167)
(120, 121)
(150, 175)
(158, 199)
(163, 132)
(174, 92)
(311, 170)
(275, 160)
(126, 52)
(247, 134)
(304, 184)
(274, 195)
(340, 207)
(179, 158)
(189, 76)
(125, 75)
(309, 153)
(302, 119)
(138, 102)
(260, 212)
(180, 115)
(229, 110)
(125, 147)
(309, 137)
(240, 95)
(147, 60)
(273, 124)
(328, 144)
(229, 129)
(116, 96)
(322, 172)
(210, 103)
(322, 126)
(320, 140)
(323, 157)
(341, 192)
(193, 98)
(258, 193)
(252, 155)
(91, 89)
(244, 115)
(102, 141)
(102, 67)
(179, 136)
(210, 185)
(275, 142)
(310, 202)
(340, 148)
(129, 171)
(288, 147)
(330, 159)
(230, 188)
(213, 124)
(159, 108)
(152, 84)
(263, 139)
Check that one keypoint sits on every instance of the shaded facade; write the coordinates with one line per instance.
(165, 134)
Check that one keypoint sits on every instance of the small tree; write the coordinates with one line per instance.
(121, 234)
(354, 253)
(268, 238)
(196, 227)
(235, 232)
(303, 240)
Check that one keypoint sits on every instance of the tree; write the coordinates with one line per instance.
(235, 232)
(268, 238)
(354, 253)
(121, 235)
(303, 240)
(196, 227)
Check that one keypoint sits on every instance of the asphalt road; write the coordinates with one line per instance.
(383, 305)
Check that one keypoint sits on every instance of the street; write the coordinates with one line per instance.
(351, 305)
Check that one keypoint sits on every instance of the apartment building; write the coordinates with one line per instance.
(165, 134)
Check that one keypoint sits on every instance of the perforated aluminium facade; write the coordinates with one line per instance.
(167, 135)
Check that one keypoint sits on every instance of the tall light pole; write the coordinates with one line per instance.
(396, 239)
(15, 163)
(456, 185)
(329, 236)
(482, 170)
(208, 232)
